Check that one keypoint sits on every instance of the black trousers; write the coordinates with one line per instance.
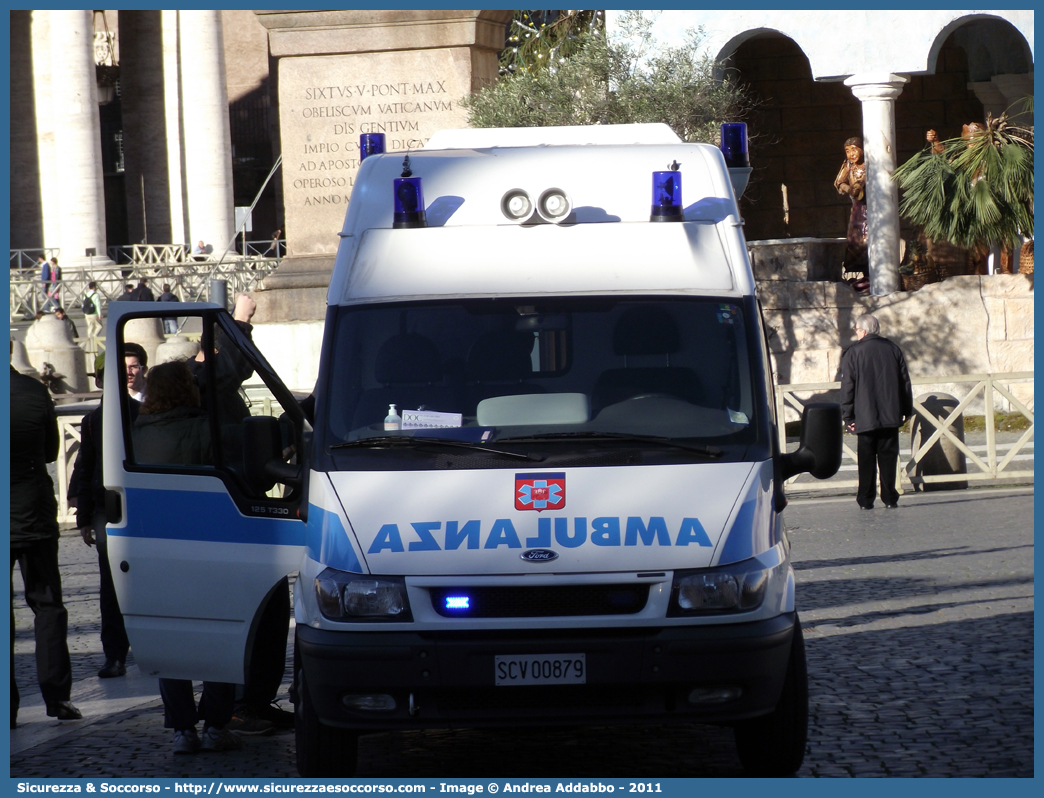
(38, 562)
(268, 658)
(878, 449)
(113, 633)
(179, 704)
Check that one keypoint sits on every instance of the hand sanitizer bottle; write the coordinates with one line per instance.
(393, 420)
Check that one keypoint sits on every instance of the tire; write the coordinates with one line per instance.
(322, 751)
(774, 744)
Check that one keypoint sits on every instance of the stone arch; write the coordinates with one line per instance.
(994, 45)
(978, 64)
(797, 131)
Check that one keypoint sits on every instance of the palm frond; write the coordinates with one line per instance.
(977, 192)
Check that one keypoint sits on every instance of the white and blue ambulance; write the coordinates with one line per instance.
(542, 483)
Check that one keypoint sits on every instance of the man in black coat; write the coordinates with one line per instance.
(88, 490)
(34, 543)
(876, 399)
(142, 293)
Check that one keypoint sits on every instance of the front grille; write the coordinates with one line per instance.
(544, 699)
(542, 602)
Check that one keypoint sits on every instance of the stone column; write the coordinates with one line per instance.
(51, 213)
(77, 139)
(1015, 88)
(26, 215)
(145, 141)
(877, 93)
(992, 98)
(207, 142)
(172, 114)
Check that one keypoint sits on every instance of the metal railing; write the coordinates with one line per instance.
(987, 387)
(26, 258)
(189, 281)
(182, 253)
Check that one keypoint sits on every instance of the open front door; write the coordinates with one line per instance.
(204, 501)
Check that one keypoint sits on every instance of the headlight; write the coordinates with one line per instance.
(355, 597)
(734, 588)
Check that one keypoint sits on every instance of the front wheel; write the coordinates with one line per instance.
(322, 751)
(774, 744)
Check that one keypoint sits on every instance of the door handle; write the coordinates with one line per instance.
(113, 507)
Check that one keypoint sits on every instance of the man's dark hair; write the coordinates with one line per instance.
(166, 288)
(92, 284)
(142, 280)
(131, 349)
(60, 309)
(128, 287)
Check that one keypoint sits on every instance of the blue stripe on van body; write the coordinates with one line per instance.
(214, 517)
(328, 542)
(198, 515)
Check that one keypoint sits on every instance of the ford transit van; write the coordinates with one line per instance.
(541, 483)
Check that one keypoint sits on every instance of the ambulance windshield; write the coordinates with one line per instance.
(556, 373)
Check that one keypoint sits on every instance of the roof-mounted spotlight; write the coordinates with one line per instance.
(554, 205)
(409, 199)
(666, 195)
(516, 205)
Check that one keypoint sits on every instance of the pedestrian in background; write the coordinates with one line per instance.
(876, 400)
(91, 308)
(70, 325)
(273, 247)
(50, 274)
(142, 293)
(87, 490)
(34, 543)
(127, 295)
(170, 323)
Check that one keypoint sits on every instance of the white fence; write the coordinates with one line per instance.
(989, 389)
(995, 465)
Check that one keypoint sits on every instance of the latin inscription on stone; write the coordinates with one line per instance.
(326, 102)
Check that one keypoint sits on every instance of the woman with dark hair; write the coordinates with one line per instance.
(171, 428)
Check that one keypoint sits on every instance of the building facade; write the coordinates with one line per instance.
(820, 77)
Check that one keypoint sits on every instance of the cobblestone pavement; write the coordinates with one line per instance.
(919, 630)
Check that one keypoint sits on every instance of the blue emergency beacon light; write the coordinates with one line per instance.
(667, 196)
(734, 144)
(370, 144)
(409, 200)
(458, 603)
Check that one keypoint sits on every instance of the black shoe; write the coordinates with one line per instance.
(63, 710)
(279, 718)
(113, 668)
(891, 506)
(861, 507)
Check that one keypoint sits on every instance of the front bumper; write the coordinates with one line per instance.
(633, 675)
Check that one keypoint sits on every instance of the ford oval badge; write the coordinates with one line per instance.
(539, 555)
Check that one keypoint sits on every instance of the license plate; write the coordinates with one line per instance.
(523, 669)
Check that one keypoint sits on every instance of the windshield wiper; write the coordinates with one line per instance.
(655, 440)
(389, 442)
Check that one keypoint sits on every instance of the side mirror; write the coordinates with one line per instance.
(263, 455)
(820, 451)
